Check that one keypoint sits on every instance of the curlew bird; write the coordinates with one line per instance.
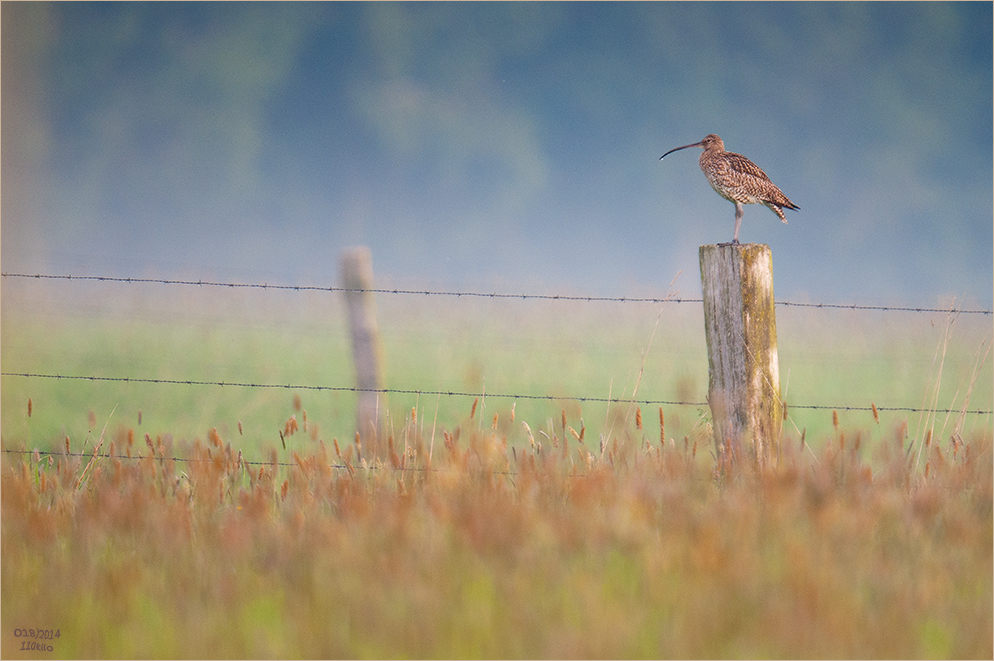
(737, 179)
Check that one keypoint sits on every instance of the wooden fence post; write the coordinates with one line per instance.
(367, 351)
(744, 372)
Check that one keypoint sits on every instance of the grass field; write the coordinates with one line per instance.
(481, 536)
(565, 349)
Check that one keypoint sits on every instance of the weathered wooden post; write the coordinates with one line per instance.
(367, 351)
(741, 330)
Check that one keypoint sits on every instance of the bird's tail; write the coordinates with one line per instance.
(775, 208)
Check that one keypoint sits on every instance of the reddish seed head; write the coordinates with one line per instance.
(394, 459)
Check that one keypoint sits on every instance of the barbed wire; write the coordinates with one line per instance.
(384, 391)
(376, 465)
(484, 395)
(415, 292)
(475, 294)
(138, 457)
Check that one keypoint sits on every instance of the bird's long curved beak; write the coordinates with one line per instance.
(696, 144)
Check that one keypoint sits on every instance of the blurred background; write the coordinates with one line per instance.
(506, 146)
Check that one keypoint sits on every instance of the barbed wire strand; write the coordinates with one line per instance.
(474, 294)
(454, 393)
(138, 457)
(246, 462)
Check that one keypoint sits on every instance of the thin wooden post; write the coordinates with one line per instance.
(744, 372)
(367, 350)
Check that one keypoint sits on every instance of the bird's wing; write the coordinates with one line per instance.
(739, 163)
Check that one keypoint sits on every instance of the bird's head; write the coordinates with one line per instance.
(710, 142)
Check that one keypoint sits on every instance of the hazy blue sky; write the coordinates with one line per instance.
(507, 146)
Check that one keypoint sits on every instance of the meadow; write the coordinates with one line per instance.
(495, 526)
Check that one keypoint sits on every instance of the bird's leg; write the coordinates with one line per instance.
(738, 221)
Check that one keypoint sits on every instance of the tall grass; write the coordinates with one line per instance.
(558, 549)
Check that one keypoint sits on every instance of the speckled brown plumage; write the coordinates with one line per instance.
(738, 180)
